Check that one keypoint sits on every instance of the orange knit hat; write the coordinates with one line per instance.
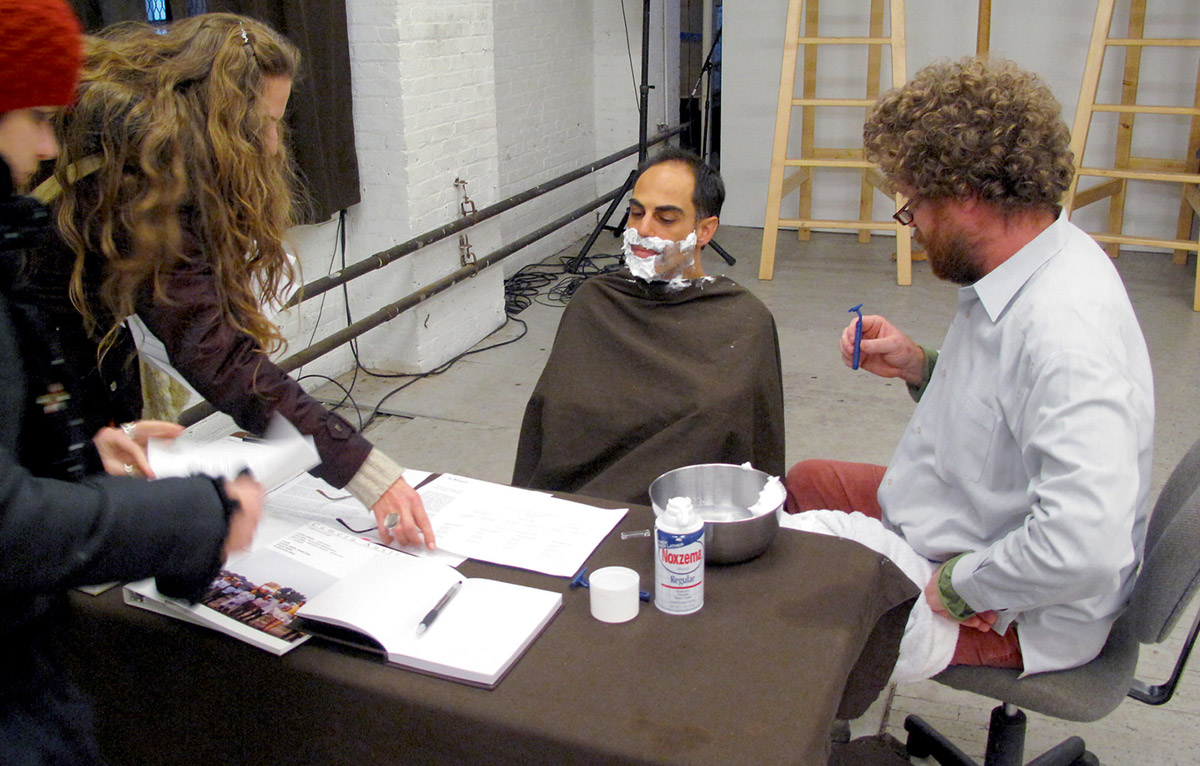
(41, 50)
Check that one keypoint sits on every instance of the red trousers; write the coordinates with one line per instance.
(841, 486)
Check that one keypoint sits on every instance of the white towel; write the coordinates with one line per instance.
(929, 639)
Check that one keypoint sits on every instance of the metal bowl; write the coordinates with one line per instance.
(722, 495)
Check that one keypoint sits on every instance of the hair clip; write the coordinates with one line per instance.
(247, 44)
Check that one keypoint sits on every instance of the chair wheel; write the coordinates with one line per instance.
(1087, 759)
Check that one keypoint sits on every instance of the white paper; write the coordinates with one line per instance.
(281, 454)
(307, 498)
(477, 635)
(515, 527)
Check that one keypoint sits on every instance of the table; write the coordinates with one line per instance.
(784, 643)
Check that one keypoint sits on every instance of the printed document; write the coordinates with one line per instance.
(515, 527)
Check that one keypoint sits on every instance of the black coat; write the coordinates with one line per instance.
(55, 534)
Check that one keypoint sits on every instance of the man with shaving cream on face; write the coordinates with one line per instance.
(656, 366)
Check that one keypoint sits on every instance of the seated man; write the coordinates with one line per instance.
(1025, 469)
(656, 366)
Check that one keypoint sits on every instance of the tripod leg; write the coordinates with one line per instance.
(722, 252)
(573, 267)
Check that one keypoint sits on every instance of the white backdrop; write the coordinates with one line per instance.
(1050, 38)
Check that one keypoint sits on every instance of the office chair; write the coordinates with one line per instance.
(1168, 579)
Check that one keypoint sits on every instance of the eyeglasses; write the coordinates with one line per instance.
(904, 215)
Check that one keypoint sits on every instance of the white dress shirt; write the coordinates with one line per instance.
(1031, 448)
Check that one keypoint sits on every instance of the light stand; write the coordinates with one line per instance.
(643, 111)
(706, 71)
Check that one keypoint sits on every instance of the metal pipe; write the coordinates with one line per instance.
(381, 259)
(391, 311)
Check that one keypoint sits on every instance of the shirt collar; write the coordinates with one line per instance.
(998, 288)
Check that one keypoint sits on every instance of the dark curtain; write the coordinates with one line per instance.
(94, 14)
(320, 110)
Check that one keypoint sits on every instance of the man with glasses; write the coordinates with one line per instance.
(1025, 468)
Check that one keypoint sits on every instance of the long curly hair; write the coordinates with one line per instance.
(973, 127)
(175, 118)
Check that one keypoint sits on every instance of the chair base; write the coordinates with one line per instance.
(1005, 747)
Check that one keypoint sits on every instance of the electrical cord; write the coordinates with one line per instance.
(629, 50)
(346, 395)
(442, 367)
(553, 280)
(547, 283)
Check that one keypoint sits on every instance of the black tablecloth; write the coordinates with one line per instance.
(784, 643)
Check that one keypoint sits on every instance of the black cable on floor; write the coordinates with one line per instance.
(547, 282)
(442, 367)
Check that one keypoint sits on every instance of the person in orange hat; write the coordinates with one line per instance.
(56, 534)
(40, 55)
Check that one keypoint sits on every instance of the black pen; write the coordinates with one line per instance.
(428, 619)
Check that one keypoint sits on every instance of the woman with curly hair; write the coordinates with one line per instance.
(176, 195)
(1023, 475)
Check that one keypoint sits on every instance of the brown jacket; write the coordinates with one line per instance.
(227, 367)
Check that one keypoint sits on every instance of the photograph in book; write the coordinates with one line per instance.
(266, 590)
(257, 596)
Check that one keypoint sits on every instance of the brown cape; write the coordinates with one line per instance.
(644, 378)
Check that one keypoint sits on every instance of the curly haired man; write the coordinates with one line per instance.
(1026, 465)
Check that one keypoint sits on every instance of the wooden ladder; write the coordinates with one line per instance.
(811, 157)
(1126, 166)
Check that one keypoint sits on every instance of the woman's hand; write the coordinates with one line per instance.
(123, 449)
(410, 522)
(249, 495)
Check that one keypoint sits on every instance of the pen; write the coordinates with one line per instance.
(428, 619)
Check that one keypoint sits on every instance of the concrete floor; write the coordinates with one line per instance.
(466, 421)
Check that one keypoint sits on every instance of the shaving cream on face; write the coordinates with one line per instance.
(650, 269)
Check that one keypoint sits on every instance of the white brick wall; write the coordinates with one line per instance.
(545, 116)
(424, 90)
(505, 94)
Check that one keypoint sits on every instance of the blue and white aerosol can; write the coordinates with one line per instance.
(679, 558)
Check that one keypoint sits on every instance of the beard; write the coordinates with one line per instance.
(672, 259)
(952, 257)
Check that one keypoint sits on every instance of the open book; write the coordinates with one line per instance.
(475, 638)
(323, 574)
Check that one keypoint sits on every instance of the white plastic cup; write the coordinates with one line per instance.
(614, 594)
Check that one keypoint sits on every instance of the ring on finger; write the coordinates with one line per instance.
(391, 520)
(129, 429)
(128, 470)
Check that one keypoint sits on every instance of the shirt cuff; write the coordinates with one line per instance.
(954, 604)
(917, 390)
(375, 476)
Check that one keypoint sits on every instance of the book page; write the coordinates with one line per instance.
(257, 595)
(281, 454)
(475, 637)
(515, 527)
(306, 498)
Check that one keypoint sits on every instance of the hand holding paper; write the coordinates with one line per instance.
(281, 454)
(123, 450)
